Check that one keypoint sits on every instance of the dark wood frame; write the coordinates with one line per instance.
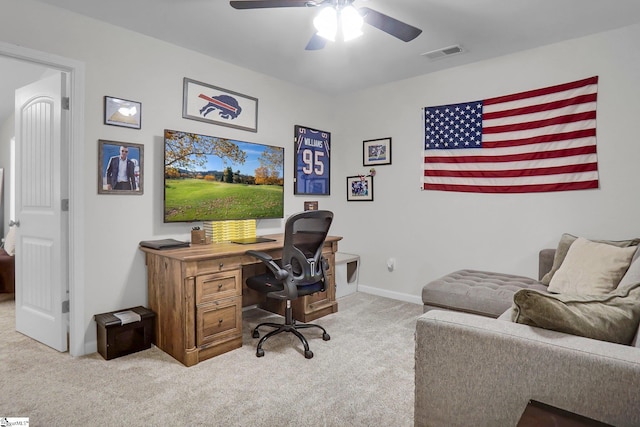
(366, 145)
(355, 198)
(102, 148)
(110, 105)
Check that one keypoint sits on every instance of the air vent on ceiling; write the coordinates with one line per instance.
(444, 52)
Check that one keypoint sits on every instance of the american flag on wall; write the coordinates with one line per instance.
(534, 141)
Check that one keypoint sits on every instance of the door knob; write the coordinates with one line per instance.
(12, 223)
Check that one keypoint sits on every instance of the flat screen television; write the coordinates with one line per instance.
(207, 178)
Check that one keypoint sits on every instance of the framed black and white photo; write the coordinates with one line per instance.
(376, 152)
(360, 188)
(212, 104)
(120, 168)
(122, 112)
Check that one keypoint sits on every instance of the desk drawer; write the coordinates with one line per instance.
(313, 302)
(211, 287)
(219, 320)
(218, 264)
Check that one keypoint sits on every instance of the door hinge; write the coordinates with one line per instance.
(65, 103)
(64, 205)
(65, 306)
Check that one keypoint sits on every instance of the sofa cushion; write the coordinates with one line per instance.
(591, 268)
(10, 241)
(478, 292)
(565, 243)
(613, 317)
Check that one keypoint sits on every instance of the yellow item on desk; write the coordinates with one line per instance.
(226, 231)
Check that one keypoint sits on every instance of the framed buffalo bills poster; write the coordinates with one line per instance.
(212, 104)
(312, 161)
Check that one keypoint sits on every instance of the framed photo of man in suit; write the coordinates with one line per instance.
(120, 168)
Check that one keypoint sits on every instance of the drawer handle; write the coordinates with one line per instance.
(220, 322)
(221, 265)
(212, 280)
(219, 286)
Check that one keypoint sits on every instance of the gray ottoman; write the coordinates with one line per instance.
(479, 292)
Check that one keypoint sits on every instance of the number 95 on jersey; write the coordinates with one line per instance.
(312, 158)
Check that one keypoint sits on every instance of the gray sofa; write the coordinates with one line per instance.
(474, 366)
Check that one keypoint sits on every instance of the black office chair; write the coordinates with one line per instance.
(302, 271)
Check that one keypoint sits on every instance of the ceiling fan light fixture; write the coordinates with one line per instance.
(338, 16)
(326, 23)
(351, 23)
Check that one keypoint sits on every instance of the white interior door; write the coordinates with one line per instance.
(41, 244)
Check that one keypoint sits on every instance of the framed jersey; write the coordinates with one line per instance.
(312, 161)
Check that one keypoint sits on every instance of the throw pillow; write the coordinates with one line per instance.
(591, 268)
(563, 247)
(10, 241)
(613, 317)
(632, 275)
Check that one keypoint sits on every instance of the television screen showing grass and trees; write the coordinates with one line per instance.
(207, 178)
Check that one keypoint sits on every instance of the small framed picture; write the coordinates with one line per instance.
(360, 188)
(376, 152)
(122, 112)
(308, 206)
(120, 168)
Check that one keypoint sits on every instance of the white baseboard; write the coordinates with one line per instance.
(90, 347)
(390, 294)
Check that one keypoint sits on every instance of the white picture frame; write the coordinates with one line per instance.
(212, 104)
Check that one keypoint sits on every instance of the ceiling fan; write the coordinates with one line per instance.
(335, 15)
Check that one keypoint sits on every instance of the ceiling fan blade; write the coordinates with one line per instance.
(316, 42)
(389, 25)
(266, 4)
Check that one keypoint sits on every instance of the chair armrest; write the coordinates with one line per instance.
(277, 271)
(262, 256)
(472, 370)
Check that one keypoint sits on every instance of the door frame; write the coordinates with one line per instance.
(75, 257)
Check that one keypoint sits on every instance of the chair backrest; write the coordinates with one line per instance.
(304, 236)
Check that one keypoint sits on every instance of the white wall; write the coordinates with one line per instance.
(429, 233)
(433, 233)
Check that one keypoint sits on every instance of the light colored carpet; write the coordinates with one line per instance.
(363, 376)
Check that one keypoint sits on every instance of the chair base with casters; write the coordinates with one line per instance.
(289, 325)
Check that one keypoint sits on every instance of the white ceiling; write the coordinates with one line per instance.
(272, 41)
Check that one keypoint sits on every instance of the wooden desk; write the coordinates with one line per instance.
(197, 294)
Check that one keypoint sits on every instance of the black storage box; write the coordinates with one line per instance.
(116, 339)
